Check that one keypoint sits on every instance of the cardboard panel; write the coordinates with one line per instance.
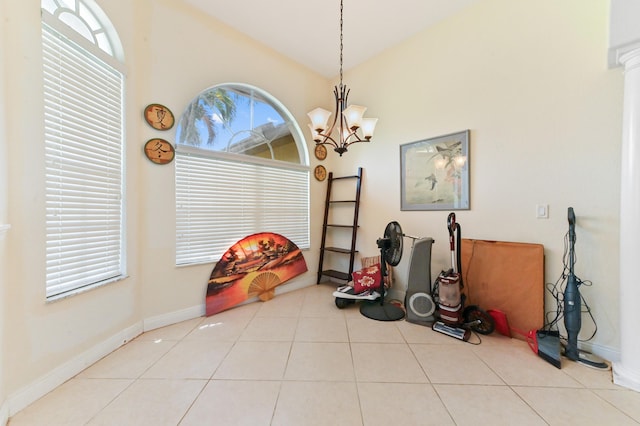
(508, 277)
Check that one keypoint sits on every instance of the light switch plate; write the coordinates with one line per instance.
(542, 211)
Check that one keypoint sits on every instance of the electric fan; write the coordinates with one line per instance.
(390, 253)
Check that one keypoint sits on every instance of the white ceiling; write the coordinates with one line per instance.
(308, 31)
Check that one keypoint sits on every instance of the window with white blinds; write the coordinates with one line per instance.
(241, 168)
(83, 104)
(221, 199)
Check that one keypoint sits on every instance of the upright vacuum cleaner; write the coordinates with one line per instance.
(453, 318)
(572, 305)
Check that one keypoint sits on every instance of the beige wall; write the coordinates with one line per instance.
(182, 67)
(530, 81)
(172, 53)
(3, 218)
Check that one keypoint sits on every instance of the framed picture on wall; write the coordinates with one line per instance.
(434, 173)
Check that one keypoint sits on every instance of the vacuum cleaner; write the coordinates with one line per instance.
(453, 318)
(572, 306)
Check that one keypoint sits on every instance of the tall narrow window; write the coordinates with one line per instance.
(241, 168)
(83, 104)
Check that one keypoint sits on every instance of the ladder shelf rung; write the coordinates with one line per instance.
(340, 250)
(336, 274)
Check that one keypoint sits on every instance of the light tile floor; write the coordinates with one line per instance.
(298, 360)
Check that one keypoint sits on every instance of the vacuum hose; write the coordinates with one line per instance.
(572, 303)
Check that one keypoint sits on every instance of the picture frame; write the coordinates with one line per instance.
(434, 173)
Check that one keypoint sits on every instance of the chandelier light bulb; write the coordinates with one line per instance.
(368, 127)
(319, 118)
(353, 114)
(315, 134)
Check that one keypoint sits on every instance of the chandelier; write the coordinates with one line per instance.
(348, 119)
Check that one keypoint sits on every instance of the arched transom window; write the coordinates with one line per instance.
(241, 168)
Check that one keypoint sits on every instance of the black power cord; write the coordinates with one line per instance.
(557, 292)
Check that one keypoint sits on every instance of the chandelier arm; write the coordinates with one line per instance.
(353, 137)
(344, 97)
(326, 135)
(329, 141)
(357, 140)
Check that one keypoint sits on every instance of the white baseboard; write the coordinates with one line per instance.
(200, 310)
(605, 352)
(4, 413)
(626, 378)
(295, 284)
(45, 384)
(173, 317)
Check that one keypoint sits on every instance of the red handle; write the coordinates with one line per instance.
(451, 225)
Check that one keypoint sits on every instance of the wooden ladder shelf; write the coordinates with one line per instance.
(326, 227)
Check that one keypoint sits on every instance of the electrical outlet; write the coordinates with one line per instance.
(542, 211)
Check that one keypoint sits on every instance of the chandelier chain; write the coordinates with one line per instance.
(348, 119)
(341, 45)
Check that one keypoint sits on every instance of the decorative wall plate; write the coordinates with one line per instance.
(159, 151)
(320, 173)
(159, 116)
(320, 152)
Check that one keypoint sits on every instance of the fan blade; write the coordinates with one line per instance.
(393, 232)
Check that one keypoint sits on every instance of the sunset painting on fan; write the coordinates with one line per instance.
(252, 267)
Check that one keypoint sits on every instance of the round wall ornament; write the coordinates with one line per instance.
(159, 151)
(320, 173)
(320, 152)
(159, 117)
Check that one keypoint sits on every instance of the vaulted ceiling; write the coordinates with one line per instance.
(308, 31)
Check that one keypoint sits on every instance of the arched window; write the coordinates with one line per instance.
(83, 105)
(241, 168)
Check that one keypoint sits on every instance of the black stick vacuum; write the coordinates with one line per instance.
(573, 307)
(572, 303)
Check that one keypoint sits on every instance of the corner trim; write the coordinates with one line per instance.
(626, 378)
(3, 230)
(4, 413)
(617, 52)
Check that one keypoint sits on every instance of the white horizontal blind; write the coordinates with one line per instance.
(219, 202)
(83, 143)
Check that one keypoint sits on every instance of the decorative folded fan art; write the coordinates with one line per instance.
(252, 267)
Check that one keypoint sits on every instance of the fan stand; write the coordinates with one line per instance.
(382, 311)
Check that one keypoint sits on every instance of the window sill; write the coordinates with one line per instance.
(85, 289)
